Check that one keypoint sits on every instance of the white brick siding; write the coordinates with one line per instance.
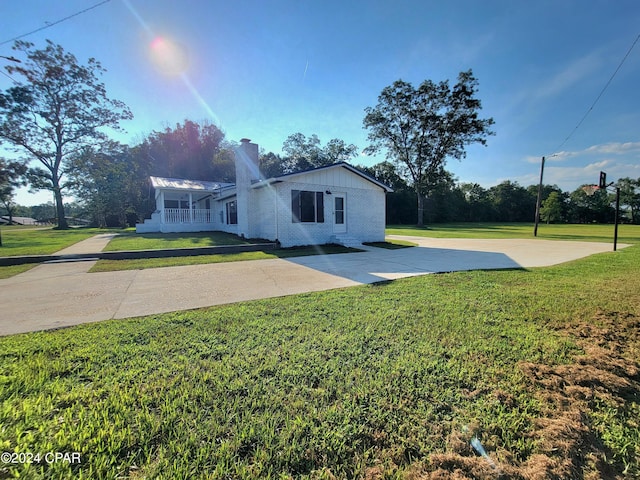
(264, 209)
(364, 215)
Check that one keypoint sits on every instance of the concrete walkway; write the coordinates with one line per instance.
(91, 245)
(62, 294)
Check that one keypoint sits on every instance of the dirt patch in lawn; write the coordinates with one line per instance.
(568, 444)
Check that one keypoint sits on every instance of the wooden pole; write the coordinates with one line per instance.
(538, 200)
(615, 231)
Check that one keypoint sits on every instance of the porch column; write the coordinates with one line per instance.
(190, 207)
(162, 217)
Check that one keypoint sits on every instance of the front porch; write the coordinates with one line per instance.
(176, 220)
(184, 215)
(183, 209)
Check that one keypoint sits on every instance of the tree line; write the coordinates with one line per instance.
(452, 201)
(57, 115)
(112, 184)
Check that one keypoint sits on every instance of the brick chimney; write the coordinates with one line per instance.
(247, 172)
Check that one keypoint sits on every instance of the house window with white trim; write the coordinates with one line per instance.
(232, 213)
(307, 206)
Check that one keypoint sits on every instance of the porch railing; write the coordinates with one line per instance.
(184, 215)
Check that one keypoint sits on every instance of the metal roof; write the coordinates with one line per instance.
(192, 185)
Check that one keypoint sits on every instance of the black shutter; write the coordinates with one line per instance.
(320, 207)
(295, 206)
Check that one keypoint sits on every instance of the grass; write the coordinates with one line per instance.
(22, 240)
(143, 263)
(379, 381)
(11, 270)
(392, 244)
(585, 233)
(152, 241)
(41, 241)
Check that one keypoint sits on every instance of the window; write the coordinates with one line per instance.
(339, 209)
(232, 213)
(307, 207)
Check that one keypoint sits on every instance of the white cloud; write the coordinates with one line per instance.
(615, 148)
(571, 177)
(556, 157)
(631, 149)
(570, 75)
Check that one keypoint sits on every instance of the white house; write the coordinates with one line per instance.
(333, 204)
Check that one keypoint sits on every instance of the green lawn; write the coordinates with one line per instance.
(18, 240)
(381, 381)
(143, 263)
(42, 241)
(152, 241)
(586, 233)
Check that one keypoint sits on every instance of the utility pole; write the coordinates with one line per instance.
(539, 200)
(617, 221)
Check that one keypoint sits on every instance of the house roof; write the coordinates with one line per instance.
(191, 185)
(345, 165)
(18, 220)
(228, 189)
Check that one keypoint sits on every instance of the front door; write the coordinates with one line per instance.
(340, 213)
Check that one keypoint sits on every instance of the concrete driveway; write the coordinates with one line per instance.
(62, 294)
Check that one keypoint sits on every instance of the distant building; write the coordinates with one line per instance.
(4, 220)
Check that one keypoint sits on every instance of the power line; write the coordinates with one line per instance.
(9, 77)
(599, 95)
(48, 25)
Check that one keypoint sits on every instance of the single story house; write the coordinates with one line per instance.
(4, 220)
(332, 204)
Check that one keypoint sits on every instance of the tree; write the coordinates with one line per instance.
(336, 151)
(401, 203)
(60, 108)
(189, 150)
(302, 153)
(512, 202)
(11, 173)
(386, 173)
(630, 196)
(112, 184)
(445, 201)
(271, 164)
(44, 212)
(594, 208)
(478, 206)
(420, 128)
(552, 208)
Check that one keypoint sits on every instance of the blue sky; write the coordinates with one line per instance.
(267, 69)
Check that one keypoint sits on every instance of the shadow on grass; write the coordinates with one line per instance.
(392, 245)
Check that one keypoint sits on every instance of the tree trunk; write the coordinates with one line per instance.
(420, 222)
(62, 221)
